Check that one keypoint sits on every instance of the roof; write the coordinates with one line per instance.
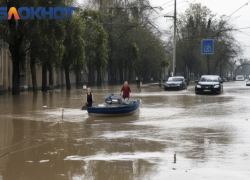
(177, 77)
(210, 75)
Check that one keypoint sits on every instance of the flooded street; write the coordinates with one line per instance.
(175, 135)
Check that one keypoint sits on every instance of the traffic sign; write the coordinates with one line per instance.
(207, 46)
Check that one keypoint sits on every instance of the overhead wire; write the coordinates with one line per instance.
(166, 3)
(168, 13)
(244, 33)
(228, 19)
(244, 28)
(239, 8)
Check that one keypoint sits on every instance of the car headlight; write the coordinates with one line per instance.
(216, 86)
(198, 86)
(166, 85)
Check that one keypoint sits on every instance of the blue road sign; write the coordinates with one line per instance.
(207, 46)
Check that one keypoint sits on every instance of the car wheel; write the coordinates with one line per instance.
(220, 90)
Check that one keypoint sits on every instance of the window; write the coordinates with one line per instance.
(209, 79)
(175, 79)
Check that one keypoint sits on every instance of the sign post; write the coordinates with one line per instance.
(207, 47)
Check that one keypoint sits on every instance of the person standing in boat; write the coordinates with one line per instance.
(89, 98)
(126, 90)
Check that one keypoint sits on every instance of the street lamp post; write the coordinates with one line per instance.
(174, 53)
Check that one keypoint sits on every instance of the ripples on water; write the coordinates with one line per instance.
(208, 133)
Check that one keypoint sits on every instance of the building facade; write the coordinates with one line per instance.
(25, 73)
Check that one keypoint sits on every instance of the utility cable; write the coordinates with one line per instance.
(228, 19)
(167, 3)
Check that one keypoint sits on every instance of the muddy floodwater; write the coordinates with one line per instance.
(175, 135)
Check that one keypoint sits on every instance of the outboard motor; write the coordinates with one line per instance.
(112, 99)
(108, 99)
(116, 100)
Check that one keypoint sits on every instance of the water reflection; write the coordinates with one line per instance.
(6, 133)
(113, 119)
(173, 131)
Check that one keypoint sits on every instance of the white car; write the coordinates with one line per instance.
(240, 78)
(248, 83)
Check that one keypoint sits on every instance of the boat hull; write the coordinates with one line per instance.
(114, 111)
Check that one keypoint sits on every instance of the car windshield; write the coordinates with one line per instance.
(175, 79)
(209, 79)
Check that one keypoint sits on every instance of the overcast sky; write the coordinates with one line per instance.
(240, 19)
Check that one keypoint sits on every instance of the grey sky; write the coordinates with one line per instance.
(220, 7)
(240, 19)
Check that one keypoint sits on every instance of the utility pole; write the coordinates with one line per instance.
(174, 54)
(220, 68)
(174, 48)
(208, 69)
(207, 34)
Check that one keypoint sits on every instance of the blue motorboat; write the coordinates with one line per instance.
(115, 106)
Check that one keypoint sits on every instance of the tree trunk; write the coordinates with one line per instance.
(33, 73)
(50, 76)
(99, 78)
(15, 47)
(126, 74)
(90, 72)
(164, 73)
(145, 79)
(121, 75)
(111, 78)
(77, 81)
(160, 74)
(68, 86)
(15, 79)
(62, 77)
(44, 78)
(115, 79)
(190, 70)
(130, 74)
(93, 75)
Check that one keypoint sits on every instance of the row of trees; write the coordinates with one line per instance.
(130, 24)
(54, 44)
(198, 23)
(108, 35)
(134, 40)
(115, 36)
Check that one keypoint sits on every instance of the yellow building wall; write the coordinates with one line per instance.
(6, 73)
(5, 69)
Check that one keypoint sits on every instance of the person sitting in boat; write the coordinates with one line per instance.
(89, 98)
(126, 90)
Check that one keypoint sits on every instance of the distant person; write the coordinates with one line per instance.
(126, 90)
(89, 98)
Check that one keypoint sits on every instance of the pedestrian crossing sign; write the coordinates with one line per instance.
(207, 46)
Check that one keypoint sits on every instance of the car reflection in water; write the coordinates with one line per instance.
(209, 84)
(176, 82)
(248, 83)
(113, 119)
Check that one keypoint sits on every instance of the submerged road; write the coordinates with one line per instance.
(175, 135)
